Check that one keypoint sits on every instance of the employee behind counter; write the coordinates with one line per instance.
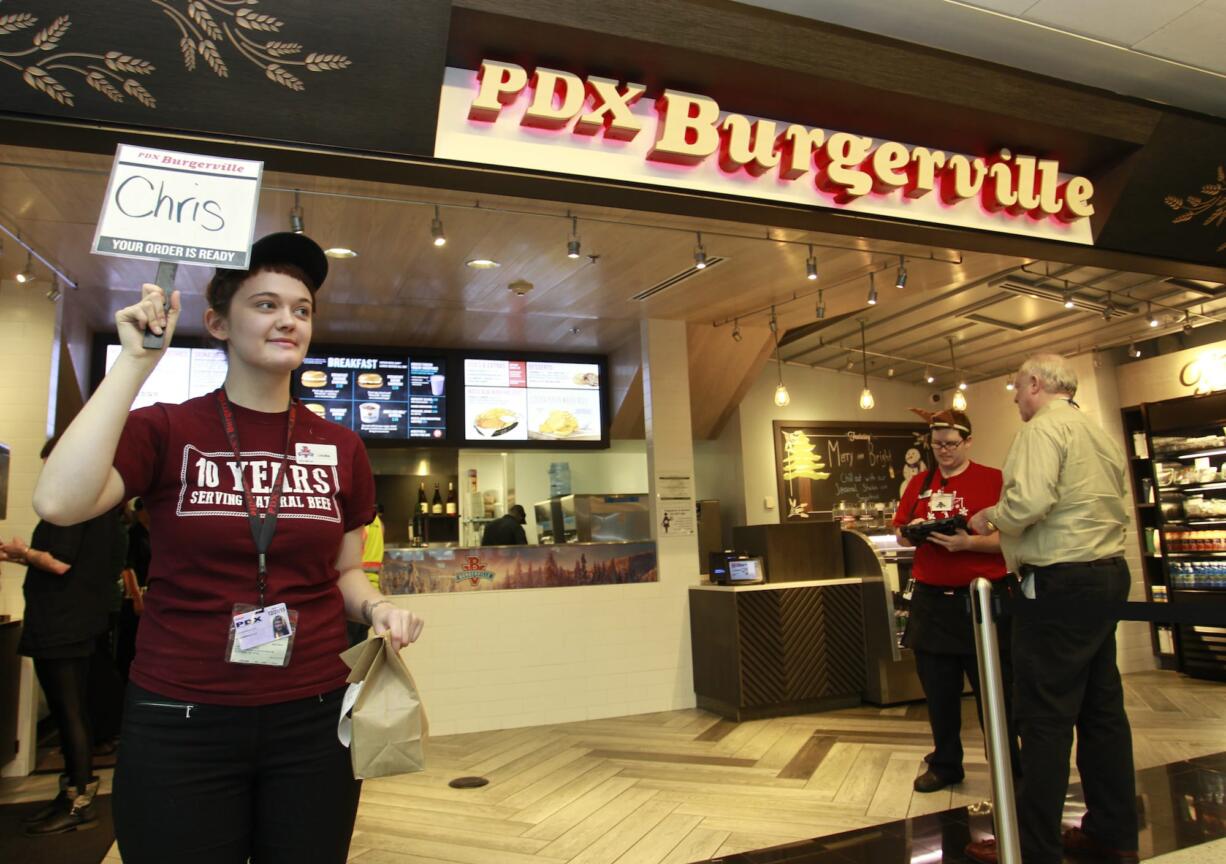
(507, 530)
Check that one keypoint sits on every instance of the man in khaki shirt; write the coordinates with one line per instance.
(1061, 518)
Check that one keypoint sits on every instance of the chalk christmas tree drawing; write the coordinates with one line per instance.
(800, 460)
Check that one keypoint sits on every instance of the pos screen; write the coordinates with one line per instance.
(744, 570)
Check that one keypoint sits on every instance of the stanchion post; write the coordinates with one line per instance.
(996, 727)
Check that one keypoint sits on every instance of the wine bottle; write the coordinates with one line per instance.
(422, 505)
(452, 504)
(436, 504)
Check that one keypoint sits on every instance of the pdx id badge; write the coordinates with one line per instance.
(261, 636)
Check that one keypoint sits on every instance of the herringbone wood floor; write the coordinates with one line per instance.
(683, 786)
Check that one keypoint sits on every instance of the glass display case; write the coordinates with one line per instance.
(1179, 474)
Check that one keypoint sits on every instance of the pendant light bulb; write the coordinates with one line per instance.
(700, 254)
(866, 395)
(1009, 384)
(782, 397)
(959, 401)
(296, 224)
(811, 266)
(436, 229)
(928, 376)
(1153, 322)
(821, 305)
(872, 290)
(572, 245)
(901, 281)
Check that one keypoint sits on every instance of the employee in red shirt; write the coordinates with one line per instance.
(939, 627)
(229, 749)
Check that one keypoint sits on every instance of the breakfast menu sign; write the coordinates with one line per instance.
(391, 398)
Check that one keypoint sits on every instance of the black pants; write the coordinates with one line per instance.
(65, 683)
(1065, 676)
(217, 784)
(944, 646)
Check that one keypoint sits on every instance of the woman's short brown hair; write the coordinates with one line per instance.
(225, 284)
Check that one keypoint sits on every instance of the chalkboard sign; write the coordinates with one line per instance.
(820, 465)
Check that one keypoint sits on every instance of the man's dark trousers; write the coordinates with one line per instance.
(1065, 676)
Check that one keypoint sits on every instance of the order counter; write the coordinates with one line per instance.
(795, 647)
(775, 649)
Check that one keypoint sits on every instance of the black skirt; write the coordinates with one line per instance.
(940, 621)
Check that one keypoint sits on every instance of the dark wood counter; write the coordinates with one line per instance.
(775, 649)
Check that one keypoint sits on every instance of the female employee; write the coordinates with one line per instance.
(229, 747)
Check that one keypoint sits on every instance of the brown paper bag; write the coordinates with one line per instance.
(387, 723)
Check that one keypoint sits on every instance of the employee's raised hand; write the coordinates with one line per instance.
(150, 315)
(401, 625)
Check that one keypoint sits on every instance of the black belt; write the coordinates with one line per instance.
(1071, 565)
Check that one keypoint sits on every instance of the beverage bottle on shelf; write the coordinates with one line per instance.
(436, 503)
(422, 505)
(452, 504)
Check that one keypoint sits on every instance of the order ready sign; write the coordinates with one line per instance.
(179, 207)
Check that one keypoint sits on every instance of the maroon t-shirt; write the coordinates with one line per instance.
(178, 459)
(967, 493)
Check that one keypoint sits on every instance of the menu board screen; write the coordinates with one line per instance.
(181, 374)
(387, 398)
(531, 400)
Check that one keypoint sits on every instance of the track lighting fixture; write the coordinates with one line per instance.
(1153, 321)
(821, 305)
(296, 223)
(53, 293)
(1133, 350)
(436, 229)
(811, 267)
(26, 274)
(1109, 308)
(782, 397)
(1068, 297)
(736, 331)
(901, 281)
(872, 290)
(1187, 321)
(572, 244)
(928, 375)
(866, 396)
(700, 254)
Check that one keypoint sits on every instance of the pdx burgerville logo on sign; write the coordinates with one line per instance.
(473, 571)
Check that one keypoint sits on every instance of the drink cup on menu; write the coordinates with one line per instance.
(436, 384)
(369, 412)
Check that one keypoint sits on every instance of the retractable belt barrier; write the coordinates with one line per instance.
(986, 606)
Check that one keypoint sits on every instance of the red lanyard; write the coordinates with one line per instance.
(263, 525)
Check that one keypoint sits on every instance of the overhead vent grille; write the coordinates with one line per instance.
(712, 262)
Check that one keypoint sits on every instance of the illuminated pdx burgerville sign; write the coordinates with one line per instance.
(552, 120)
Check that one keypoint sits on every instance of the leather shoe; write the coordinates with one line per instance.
(931, 781)
(983, 851)
(1078, 842)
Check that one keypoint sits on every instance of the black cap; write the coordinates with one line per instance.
(286, 247)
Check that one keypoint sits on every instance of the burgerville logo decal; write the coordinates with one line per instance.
(553, 120)
(474, 571)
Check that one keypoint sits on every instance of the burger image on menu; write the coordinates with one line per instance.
(316, 409)
(313, 379)
(370, 380)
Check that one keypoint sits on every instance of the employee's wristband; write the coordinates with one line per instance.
(368, 610)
